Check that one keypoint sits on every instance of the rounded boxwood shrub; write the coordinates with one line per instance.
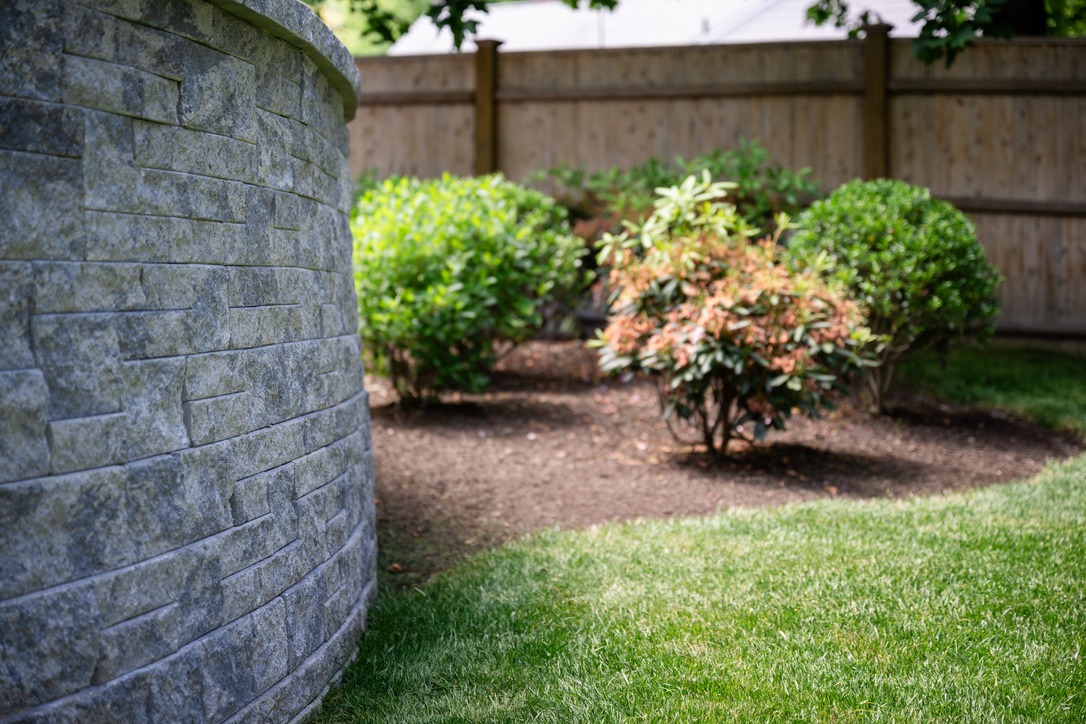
(731, 334)
(913, 263)
(446, 269)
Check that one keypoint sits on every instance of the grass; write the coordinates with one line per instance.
(1042, 382)
(959, 608)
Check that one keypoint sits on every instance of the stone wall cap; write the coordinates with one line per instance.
(292, 21)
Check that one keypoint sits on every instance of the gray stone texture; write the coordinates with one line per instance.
(186, 480)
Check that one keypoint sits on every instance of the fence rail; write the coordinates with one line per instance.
(1001, 134)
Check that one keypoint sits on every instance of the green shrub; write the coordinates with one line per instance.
(912, 261)
(763, 187)
(446, 269)
(730, 333)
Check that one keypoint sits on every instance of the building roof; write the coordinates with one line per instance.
(553, 25)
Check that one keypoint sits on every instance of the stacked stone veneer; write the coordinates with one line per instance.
(186, 518)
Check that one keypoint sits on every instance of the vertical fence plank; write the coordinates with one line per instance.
(486, 107)
(876, 109)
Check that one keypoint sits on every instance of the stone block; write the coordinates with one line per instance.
(313, 183)
(291, 212)
(119, 89)
(336, 608)
(151, 399)
(321, 466)
(154, 334)
(125, 237)
(61, 529)
(328, 425)
(176, 688)
(218, 373)
(102, 33)
(208, 322)
(305, 625)
(137, 642)
(174, 286)
(167, 193)
(278, 79)
(212, 419)
(252, 587)
(277, 93)
(41, 204)
(245, 545)
(218, 95)
(50, 646)
(32, 39)
(269, 448)
(336, 533)
(321, 102)
(273, 139)
(110, 179)
(37, 127)
(78, 353)
(227, 669)
(171, 148)
(61, 287)
(313, 147)
(130, 592)
(121, 8)
(206, 486)
(16, 291)
(201, 601)
(324, 502)
(253, 495)
(84, 443)
(266, 286)
(259, 326)
(270, 655)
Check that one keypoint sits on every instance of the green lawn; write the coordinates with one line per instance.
(959, 608)
(1044, 382)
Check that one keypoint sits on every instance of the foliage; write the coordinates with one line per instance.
(1042, 381)
(949, 26)
(386, 20)
(963, 608)
(912, 261)
(368, 27)
(449, 268)
(731, 335)
(763, 188)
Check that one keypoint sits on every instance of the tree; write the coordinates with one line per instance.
(385, 20)
(949, 26)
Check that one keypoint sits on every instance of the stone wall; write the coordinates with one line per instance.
(186, 509)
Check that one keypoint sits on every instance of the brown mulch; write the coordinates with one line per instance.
(553, 445)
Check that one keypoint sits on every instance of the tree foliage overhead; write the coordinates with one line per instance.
(385, 21)
(949, 26)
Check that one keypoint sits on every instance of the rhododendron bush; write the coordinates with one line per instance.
(733, 336)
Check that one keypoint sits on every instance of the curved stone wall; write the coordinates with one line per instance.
(186, 515)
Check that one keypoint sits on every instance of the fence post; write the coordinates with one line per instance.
(486, 109)
(876, 156)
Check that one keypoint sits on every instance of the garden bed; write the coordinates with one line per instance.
(553, 445)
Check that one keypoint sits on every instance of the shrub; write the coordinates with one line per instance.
(763, 189)
(447, 269)
(729, 332)
(912, 261)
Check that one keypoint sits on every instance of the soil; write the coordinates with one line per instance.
(553, 445)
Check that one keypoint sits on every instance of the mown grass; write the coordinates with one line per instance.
(1042, 382)
(961, 608)
(967, 608)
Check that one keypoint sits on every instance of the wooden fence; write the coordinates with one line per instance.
(1002, 133)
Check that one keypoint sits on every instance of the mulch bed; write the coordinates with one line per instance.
(552, 444)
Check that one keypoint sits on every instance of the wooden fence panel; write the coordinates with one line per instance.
(1001, 133)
